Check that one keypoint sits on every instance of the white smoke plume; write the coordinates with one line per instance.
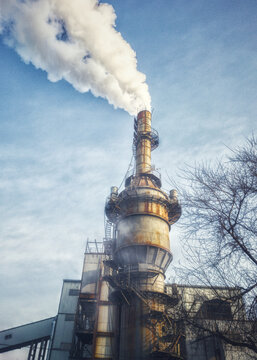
(76, 40)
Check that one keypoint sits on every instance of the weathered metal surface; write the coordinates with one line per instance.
(105, 290)
(143, 150)
(143, 257)
(91, 273)
(105, 312)
(144, 230)
(145, 326)
(142, 214)
(142, 196)
(95, 325)
(103, 349)
(104, 331)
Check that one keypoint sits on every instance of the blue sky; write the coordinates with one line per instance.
(60, 150)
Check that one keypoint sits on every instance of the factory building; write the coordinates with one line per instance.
(122, 309)
(71, 333)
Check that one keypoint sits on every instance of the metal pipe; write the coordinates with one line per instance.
(143, 149)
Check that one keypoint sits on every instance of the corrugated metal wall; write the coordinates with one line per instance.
(62, 337)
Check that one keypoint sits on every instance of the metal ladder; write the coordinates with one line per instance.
(108, 230)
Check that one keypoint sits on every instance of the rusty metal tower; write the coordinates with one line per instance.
(139, 250)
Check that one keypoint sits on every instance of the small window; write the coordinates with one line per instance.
(7, 337)
(74, 292)
(69, 317)
(215, 309)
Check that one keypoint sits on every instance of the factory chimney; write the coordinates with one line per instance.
(141, 216)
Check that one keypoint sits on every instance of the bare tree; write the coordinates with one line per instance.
(219, 239)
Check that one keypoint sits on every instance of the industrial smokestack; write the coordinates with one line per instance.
(143, 147)
(141, 215)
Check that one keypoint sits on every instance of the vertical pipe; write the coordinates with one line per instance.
(143, 151)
